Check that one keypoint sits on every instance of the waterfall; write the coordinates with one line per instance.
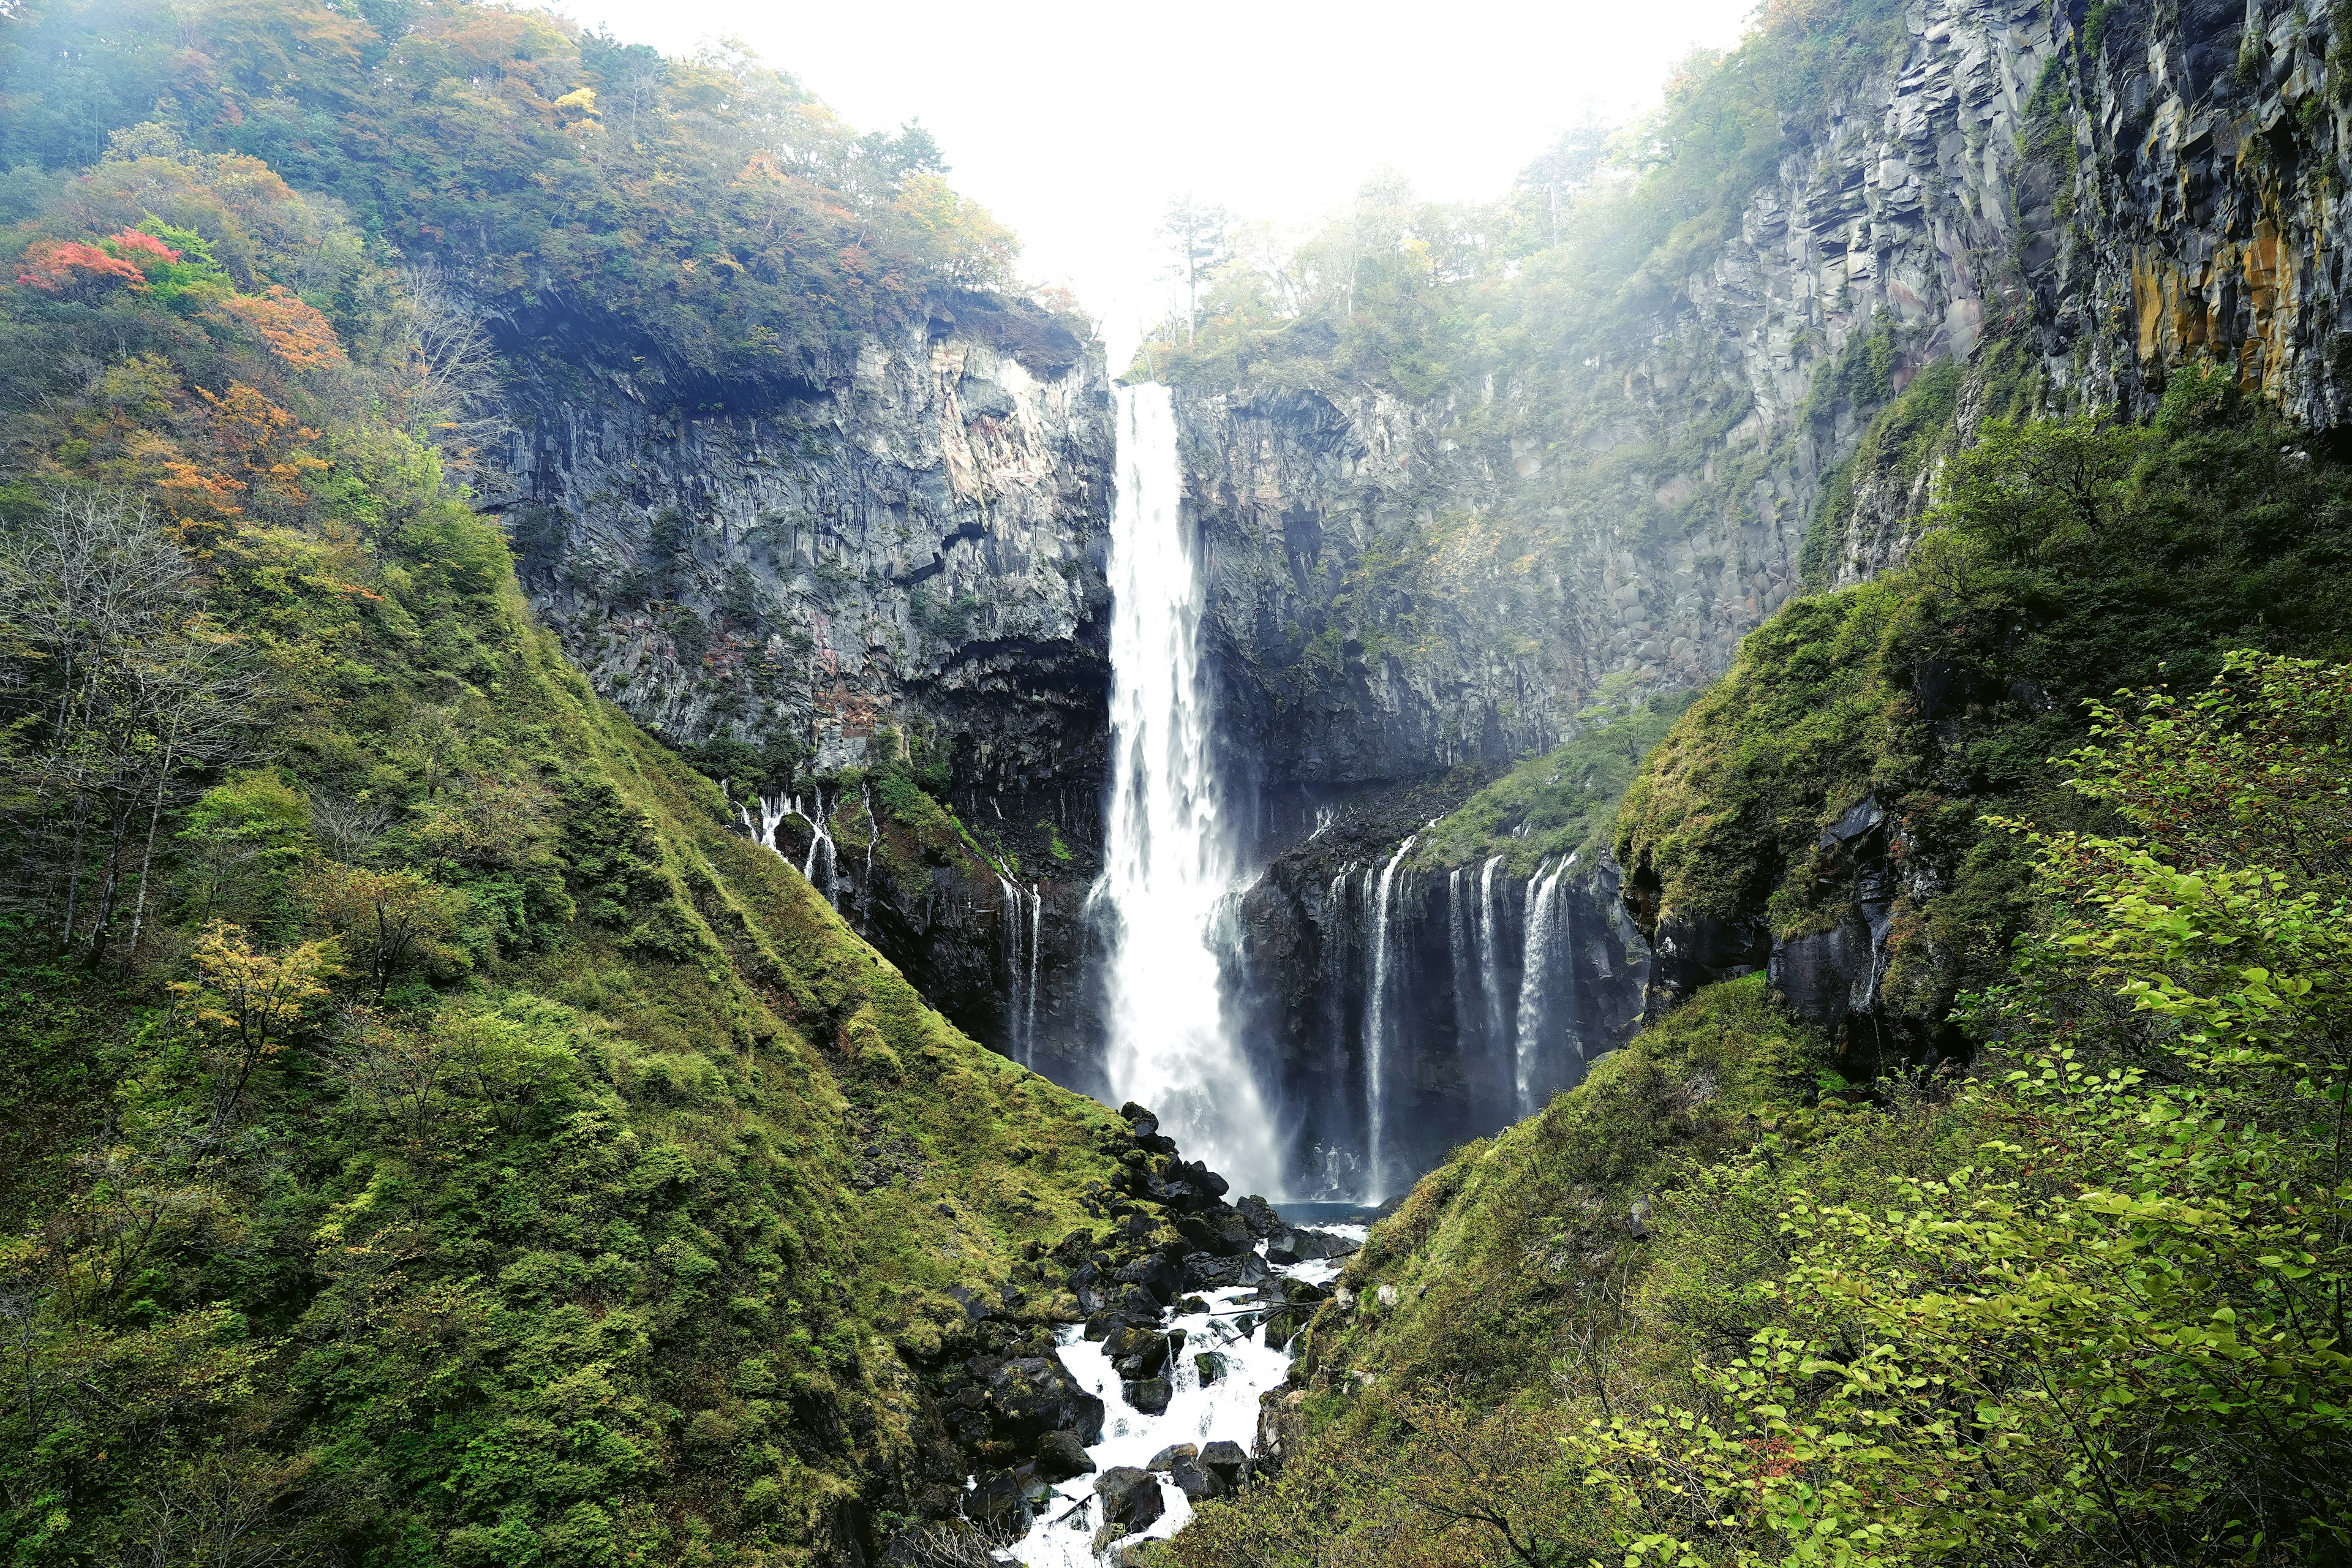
(1376, 1029)
(772, 812)
(1462, 950)
(1016, 1045)
(1167, 862)
(1535, 982)
(1029, 1004)
(1490, 956)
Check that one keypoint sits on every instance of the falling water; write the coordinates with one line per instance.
(1490, 955)
(773, 810)
(1462, 951)
(1169, 860)
(1376, 1029)
(1029, 997)
(1535, 982)
(1015, 973)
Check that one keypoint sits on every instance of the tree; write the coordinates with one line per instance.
(384, 918)
(1197, 233)
(251, 1003)
(2026, 488)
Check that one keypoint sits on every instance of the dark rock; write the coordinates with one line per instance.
(999, 1504)
(1203, 1272)
(1149, 1395)
(1060, 1456)
(1191, 1304)
(1226, 1464)
(1137, 1352)
(1258, 1215)
(1130, 1497)
(1171, 1454)
(1211, 1366)
(1029, 1397)
(1188, 1478)
(1221, 1235)
(1282, 1325)
(1156, 1274)
(1100, 1325)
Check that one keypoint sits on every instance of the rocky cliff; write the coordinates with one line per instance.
(806, 585)
(2059, 201)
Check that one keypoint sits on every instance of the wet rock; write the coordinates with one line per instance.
(1211, 1366)
(1137, 1352)
(1282, 1325)
(999, 1504)
(1226, 1464)
(1281, 1427)
(1171, 1454)
(1060, 1456)
(1190, 1478)
(1138, 1305)
(1284, 1247)
(1222, 1234)
(1203, 1272)
(1029, 1397)
(1258, 1215)
(1130, 1498)
(1149, 1395)
(1155, 1274)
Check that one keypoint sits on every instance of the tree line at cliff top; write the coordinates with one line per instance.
(703, 220)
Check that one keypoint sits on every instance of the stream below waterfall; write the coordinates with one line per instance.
(1062, 1530)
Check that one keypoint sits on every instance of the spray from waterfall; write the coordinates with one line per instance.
(1376, 1031)
(1169, 858)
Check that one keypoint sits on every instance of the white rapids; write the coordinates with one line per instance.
(1062, 1533)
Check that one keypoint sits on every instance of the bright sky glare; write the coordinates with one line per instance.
(1076, 121)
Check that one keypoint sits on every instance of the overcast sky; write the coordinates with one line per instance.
(1077, 123)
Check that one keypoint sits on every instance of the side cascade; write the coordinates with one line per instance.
(1377, 1025)
(1169, 860)
(819, 868)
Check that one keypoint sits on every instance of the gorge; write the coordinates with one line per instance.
(1693, 815)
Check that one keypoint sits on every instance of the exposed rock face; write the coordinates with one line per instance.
(916, 546)
(1399, 587)
(1456, 1000)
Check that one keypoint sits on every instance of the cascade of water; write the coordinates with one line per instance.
(1009, 922)
(1535, 982)
(1490, 956)
(865, 887)
(1029, 1002)
(772, 812)
(1461, 949)
(1167, 862)
(1376, 1029)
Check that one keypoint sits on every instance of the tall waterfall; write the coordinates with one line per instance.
(1376, 1031)
(1536, 982)
(1169, 861)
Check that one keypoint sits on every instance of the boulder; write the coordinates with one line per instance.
(998, 1504)
(1029, 1397)
(1204, 1272)
(1130, 1497)
(1155, 1274)
(1307, 1246)
(1171, 1454)
(1219, 1235)
(1211, 1366)
(1283, 1324)
(1226, 1464)
(1258, 1215)
(1188, 1477)
(1138, 1305)
(1060, 1456)
(1137, 1352)
(1150, 1395)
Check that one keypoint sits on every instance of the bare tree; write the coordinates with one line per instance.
(1197, 234)
(115, 694)
(454, 390)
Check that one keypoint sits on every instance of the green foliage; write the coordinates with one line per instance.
(1554, 804)
(2064, 556)
(2081, 1305)
(684, 220)
(451, 1141)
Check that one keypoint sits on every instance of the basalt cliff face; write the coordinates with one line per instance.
(904, 553)
(2056, 199)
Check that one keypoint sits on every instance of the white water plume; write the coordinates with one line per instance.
(1169, 861)
(1376, 1031)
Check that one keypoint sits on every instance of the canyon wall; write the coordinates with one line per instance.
(2063, 200)
(901, 560)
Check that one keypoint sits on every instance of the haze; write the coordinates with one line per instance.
(1078, 123)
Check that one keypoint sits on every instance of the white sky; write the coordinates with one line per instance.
(1078, 122)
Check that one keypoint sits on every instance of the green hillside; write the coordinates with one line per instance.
(434, 1134)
